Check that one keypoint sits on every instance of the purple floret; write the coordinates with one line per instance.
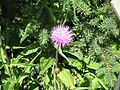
(61, 35)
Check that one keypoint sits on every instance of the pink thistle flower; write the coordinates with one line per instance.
(61, 35)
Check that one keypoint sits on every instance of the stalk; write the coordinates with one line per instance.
(56, 57)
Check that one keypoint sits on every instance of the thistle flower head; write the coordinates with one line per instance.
(61, 35)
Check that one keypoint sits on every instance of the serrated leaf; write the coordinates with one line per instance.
(66, 78)
(29, 29)
(43, 37)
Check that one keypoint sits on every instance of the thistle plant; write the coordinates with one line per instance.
(61, 36)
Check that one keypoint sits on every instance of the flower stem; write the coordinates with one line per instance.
(56, 57)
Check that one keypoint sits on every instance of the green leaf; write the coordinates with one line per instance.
(91, 77)
(6, 85)
(45, 64)
(10, 83)
(75, 63)
(62, 54)
(29, 29)
(20, 79)
(37, 88)
(21, 65)
(81, 88)
(77, 54)
(93, 65)
(96, 47)
(46, 79)
(31, 49)
(2, 55)
(82, 6)
(43, 37)
(66, 78)
(4, 60)
(102, 83)
(86, 59)
(94, 84)
(11, 86)
(113, 49)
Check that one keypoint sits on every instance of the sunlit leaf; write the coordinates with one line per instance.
(11, 86)
(20, 79)
(66, 78)
(21, 65)
(93, 65)
(46, 79)
(4, 60)
(81, 88)
(94, 84)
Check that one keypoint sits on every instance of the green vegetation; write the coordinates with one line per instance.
(27, 54)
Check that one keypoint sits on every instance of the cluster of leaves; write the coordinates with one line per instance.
(27, 56)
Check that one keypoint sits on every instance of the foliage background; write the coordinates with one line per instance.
(27, 55)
